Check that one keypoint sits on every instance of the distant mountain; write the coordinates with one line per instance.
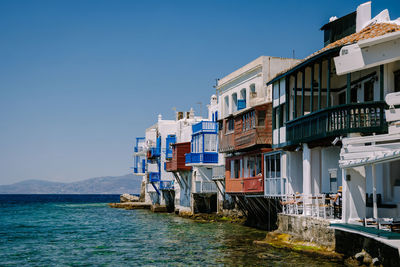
(101, 185)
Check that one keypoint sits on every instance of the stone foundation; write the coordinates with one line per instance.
(309, 229)
(159, 208)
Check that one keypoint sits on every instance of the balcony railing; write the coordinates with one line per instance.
(167, 185)
(205, 126)
(154, 177)
(218, 172)
(241, 104)
(140, 144)
(206, 187)
(198, 158)
(336, 121)
(275, 187)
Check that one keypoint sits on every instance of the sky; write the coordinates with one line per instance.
(79, 80)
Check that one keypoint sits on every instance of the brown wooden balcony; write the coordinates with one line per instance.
(340, 120)
(252, 130)
(177, 162)
(226, 142)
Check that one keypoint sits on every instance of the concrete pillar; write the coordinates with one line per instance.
(307, 189)
(375, 205)
(316, 170)
(354, 200)
(307, 181)
(345, 198)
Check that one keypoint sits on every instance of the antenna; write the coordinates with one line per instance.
(294, 54)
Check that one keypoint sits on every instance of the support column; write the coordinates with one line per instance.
(306, 176)
(375, 205)
(319, 84)
(381, 82)
(312, 89)
(328, 84)
(295, 97)
(345, 198)
(303, 80)
(287, 91)
(348, 88)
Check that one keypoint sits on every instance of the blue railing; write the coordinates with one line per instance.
(206, 157)
(140, 142)
(154, 177)
(241, 104)
(204, 126)
(166, 185)
(143, 165)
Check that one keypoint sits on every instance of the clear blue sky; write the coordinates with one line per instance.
(79, 80)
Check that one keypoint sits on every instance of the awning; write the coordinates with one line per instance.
(361, 151)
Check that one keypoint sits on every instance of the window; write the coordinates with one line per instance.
(226, 105)
(248, 121)
(243, 94)
(210, 142)
(368, 91)
(251, 163)
(275, 90)
(252, 88)
(236, 168)
(234, 102)
(258, 165)
(261, 118)
(397, 81)
(220, 125)
(231, 125)
(273, 166)
(353, 94)
(342, 98)
(282, 112)
(276, 116)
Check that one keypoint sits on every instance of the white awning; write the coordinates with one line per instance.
(361, 151)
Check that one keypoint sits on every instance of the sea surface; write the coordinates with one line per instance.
(81, 230)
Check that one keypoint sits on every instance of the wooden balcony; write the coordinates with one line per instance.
(252, 137)
(253, 184)
(177, 162)
(234, 185)
(335, 121)
(226, 142)
(254, 132)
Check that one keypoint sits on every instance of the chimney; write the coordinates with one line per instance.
(363, 15)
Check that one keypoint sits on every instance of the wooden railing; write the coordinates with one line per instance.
(336, 121)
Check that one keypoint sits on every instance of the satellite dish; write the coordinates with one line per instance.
(393, 99)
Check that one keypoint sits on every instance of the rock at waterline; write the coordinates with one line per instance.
(128, 198)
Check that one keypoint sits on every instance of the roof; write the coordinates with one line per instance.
(368, 32)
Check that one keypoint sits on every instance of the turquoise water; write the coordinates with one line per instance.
(81, 232)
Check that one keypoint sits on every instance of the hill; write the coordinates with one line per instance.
(100, 185)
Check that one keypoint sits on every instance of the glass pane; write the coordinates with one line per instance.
(278, 165)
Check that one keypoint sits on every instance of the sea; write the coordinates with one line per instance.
(81, 230)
